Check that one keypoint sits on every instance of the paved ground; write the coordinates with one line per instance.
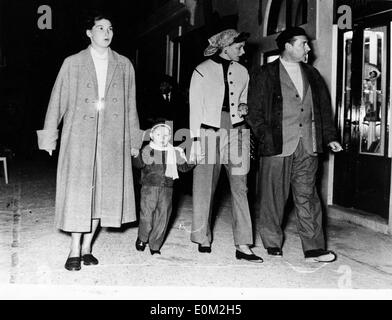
(32, 254)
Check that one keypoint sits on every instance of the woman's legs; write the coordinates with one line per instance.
(88, 237)
(75, 244)
(76, 248)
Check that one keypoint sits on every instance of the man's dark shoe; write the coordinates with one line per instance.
(73, 264)
(275, 251)
(89, 259)
(140, 245)
(206, 249)
(249, 257)
(155, 252)
(320, 255)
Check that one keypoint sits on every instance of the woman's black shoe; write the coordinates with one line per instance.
(204, 249)
(140, 245)
(250, 257)
(89, 259)
(155, 252)
(73, 264)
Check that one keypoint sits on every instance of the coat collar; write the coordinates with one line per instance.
(290, 82)
(274, 73)
(87, 60)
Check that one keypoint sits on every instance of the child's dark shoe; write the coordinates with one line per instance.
(140, 245)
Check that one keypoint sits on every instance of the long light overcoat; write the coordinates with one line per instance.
(74, 99)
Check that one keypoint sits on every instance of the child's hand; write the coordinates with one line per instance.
(182, 153)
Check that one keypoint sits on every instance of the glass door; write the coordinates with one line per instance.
(362, 170)
(372, 113)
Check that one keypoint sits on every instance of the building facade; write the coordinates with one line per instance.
(351, 47)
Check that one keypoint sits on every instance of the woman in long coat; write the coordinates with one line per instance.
(94, 95)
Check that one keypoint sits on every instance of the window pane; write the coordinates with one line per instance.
(372, 110)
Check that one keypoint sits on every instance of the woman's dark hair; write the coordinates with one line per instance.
(93, 17)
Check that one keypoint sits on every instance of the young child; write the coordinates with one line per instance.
(159, 162)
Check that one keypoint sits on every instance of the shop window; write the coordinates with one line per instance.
(372, 110)
(365, 120)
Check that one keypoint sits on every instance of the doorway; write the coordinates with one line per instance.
(363, 170)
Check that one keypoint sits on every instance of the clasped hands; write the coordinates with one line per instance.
(242, 109)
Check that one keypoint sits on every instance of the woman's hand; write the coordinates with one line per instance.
(196, 152)
(134, 152)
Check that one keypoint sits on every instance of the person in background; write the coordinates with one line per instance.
(167, 104)
(217, 96)
(290, 114)
(94, 96)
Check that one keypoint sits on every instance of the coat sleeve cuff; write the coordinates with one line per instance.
(137, 137)
(47, 139)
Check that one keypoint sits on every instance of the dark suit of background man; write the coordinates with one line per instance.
(166, 103)
(290, 113)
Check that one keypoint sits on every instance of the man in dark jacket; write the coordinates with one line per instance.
(290, 114)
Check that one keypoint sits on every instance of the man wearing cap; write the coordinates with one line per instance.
(290, 114)
(217, 99)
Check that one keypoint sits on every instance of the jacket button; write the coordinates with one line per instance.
(231, 82)
(229, 73)
(302, 109)
(86, 100)
(114, 85)
(88, 85)
(233, 115)
(114, 100)
(300, 124)
(232, 104)
(231, 93)
(297, 95)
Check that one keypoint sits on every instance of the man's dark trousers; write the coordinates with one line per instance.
(277, 174)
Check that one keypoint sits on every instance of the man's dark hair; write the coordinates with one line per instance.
(287, 35)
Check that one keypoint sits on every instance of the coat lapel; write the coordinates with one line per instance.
(290, 83)
(285, 77)
(274, 76)
(112, 65)
(89, 64)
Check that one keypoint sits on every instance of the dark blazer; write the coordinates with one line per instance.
(160, 110)
(266, 108)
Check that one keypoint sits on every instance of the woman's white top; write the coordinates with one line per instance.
(101, 68)
(207, 90)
